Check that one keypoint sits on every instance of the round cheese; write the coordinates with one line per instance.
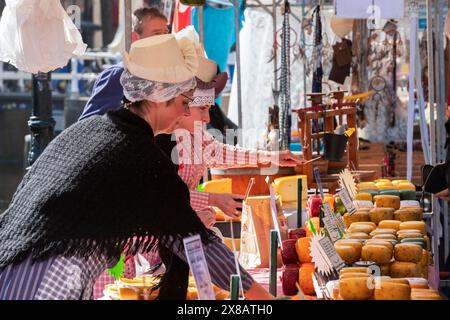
(418, 283)
(387, 201)
(385, 236)
(360, 228)
(379, 214)
(354, 270)
(409, 214)
(376, 253)
(356, 288)
(408, 252)
(383, 231)
(416, 225)
(359, 216)
(383, 242)
(364, 223)
(305, 279)
(355, 243)
(388, 290)
(363, 196)
(389, 224)
(405, 270)
(357, 235)
(402, 236)
(348, 253)
(303, 247)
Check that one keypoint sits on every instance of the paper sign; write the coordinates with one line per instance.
(324, 256)
(274, 210)
(333, 256)
(250, 256)
(363, 204)
(199, 268)
(330, 223)
(347, 201)
(318, 181)
(340, 221)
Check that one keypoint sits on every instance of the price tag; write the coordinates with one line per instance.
(318, 181)
(197, 262)
(332, 255)
(340, 221)
(347, 201)
(363, 204)
(330, 223)
(409, 204)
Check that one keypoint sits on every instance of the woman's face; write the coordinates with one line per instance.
(172, 112)
(198, 115)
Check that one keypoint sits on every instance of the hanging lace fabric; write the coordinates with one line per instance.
(38, 36)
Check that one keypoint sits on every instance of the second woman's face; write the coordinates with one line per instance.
(173, 112)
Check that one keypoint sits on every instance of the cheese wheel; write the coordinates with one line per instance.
(405, 231)
(408, 252)
(286, 187)
(383, 231)
(389, 224)
(379, 214)
(354, 269)
(364, 223)
(384, 184)
(355, 243)
(388, 290)
(388, 236)
(408, 214)
(354, 275)
(365, 185)
(303, 247)
(402, 236)
(358, 235)
(391, 192)
(218, 186)
(305, 279)
(407, 195)
(382, 242)
(387, 201)
(289, 252)
(348, 253)
(360, 228)
(376, 253)
(363, 196)
(418, 283)
(406, 186)
(355, 288)
(405, 270)
(358, 216)
(417, 225)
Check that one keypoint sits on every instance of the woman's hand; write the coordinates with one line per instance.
(230, 204)
(280, 158)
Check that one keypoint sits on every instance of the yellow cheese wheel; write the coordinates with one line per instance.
(387, 201)
(379, 214)
(364, 223)
(357, 235)
(218, 186)
(363, 196)
(409, 214)
(388, 290)
(305, 279)
(358, 216)
(286, 187)
(388, 236)
(385, 269)
(402, 236)
(303, 247)
(408, 252)
(418, 283)
(384, 242)
(417, 225)
(348, 253)
(355, 289)
(360, 228)
(405, 270)
(389, 224)
(354, 269)
(405, 186)
(383, 231)
(355, 243)
(376, 253)
(354, 275)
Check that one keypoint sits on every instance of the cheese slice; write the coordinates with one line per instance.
(286, 187)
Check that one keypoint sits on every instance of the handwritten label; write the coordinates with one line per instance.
(347, 201)
(197, 262)
(330, 223)
(363, 204)
(332, 255)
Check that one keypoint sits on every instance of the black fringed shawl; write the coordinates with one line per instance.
(100, 183)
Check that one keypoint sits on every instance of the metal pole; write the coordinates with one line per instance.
(128, 24)
(442, 103)
(41, 122)
(238, 62)
(273, 262)
(234, 287)
(431, 98)
(275, 54)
